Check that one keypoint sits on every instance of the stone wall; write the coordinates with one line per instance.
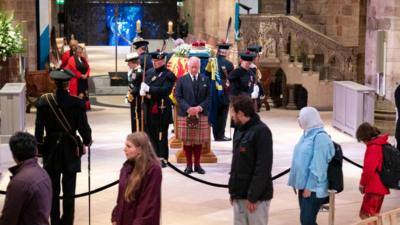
(209, 18)
(272, 6)
(383, 16)
(339, 19)
(24, 10)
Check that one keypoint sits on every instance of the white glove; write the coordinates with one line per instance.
(142, 93)
(144, 87)
(255, 92)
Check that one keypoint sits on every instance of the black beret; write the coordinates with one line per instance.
(61, 75)
(255, 48)
(158, 54)
(141, 43)
(247, 56)
(224, 45)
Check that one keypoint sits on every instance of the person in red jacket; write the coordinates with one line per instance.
(78, 85)
(73, 44)
(370, 184)
(139, 191)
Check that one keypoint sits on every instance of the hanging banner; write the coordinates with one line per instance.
(43, 47)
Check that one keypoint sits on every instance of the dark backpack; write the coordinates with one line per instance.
(335, 172)
(390, 173)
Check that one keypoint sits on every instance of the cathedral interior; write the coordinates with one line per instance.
(312, 51)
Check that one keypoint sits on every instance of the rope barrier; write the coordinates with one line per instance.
(189, 176)
(352, 162)
(214, 184)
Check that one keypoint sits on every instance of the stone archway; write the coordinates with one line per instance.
(277, 89)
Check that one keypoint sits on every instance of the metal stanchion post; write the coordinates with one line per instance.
(89, 196)
(331, 206)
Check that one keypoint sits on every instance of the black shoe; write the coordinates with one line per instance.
(188, 170)
(227, 139)
(199, 170)
(223, 139)
(163, 164)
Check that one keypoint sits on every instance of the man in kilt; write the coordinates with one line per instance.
(192, 95)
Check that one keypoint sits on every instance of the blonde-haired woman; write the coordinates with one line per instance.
(139, 192)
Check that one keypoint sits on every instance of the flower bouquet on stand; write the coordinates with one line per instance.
(11, 43)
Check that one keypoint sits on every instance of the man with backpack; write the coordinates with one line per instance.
(371, 184)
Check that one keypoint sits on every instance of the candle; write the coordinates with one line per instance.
(170, 24)
(138, 25)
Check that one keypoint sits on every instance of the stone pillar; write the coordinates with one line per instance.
(291, 102)
(311, 58)
(173, 141)
(385, 116)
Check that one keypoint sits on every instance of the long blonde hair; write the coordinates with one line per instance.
(142, 161)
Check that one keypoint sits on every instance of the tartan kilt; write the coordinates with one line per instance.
(188, 135)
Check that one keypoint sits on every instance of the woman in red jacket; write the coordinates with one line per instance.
(370, 184)
(139, 191)
(78, 85)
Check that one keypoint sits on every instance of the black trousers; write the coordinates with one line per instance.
(136, 107)
(153, 128)
(219, 128)
(68, 181)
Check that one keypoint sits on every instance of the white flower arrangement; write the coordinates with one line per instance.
(11, 40)
(182, 50)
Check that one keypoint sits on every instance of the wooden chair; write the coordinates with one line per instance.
(37, 84)
(369, 221)
(390, 217)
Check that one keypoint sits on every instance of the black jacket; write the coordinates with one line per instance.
(59, 149)
(250, 176)
(397, 102)
(241, 81)
(185, 94)
(161, 82)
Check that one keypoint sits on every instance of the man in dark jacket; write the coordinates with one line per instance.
(250, 182)
(135, 77)
(157, 105)
(61, 115)
(224, 68)
(28, 196)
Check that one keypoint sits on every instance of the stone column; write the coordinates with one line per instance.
(291, 102)
(311, 58)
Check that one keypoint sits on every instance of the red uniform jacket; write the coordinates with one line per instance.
(373, 159)
(146, 209)
(73, 83)
(64, 59)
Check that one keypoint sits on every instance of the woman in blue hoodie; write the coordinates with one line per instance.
(308, 173)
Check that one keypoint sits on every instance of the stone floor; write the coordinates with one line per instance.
(188, 202)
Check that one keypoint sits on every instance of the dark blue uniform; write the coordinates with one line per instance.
(225, 67)
(241, 81)
(134, 80)
(60, 150)
(149, 63)
(158, 108)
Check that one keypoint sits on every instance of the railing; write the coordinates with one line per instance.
(281, 35)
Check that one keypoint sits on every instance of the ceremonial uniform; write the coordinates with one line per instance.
(241, 81)
(135, 77)
(143, 56)
(225, 67)
(60, 148)
(157, 105)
